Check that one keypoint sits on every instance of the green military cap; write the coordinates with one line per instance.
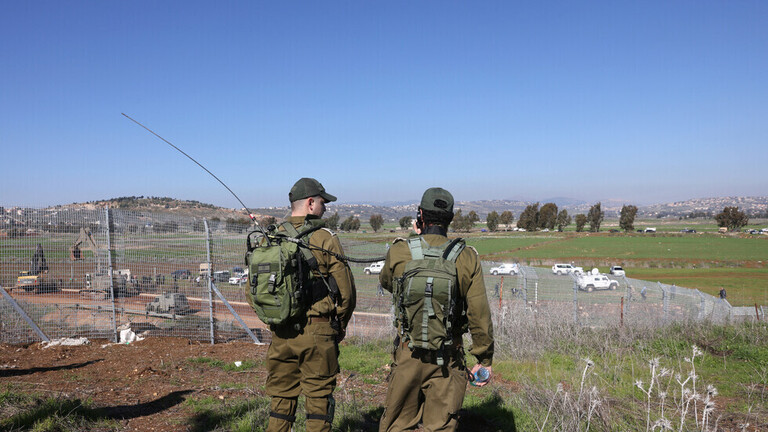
(437, 200)
(308, 187)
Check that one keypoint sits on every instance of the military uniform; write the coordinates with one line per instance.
(305, 360)
(419, 388)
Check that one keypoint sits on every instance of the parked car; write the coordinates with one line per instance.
(650, 230)
(505, 269)
(181, 274)
(564, 269)
(617, 271)
(239, 278)
(221, 276)
(374, 268)
(591, 282)
(688, 231)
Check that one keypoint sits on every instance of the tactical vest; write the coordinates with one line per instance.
(427, 298)
(283, 277)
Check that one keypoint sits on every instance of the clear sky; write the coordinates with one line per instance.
(639, 101)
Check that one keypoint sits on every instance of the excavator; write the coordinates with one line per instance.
(97, 285)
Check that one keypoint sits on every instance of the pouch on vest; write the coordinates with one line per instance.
(427, 295)
(281, 281)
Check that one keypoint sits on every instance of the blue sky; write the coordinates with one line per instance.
(644, 102)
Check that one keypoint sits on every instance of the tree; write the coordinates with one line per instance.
(492, 221)
(332, 221)
(529, 218)
(267, 221)
(563, 220)
(595, 217)
(472, 219)
(376, 222)
(506, 218)
(732, 218)
(581, 220)
(627, 217)
(405, 222)
(238, 225)
(350, 224)
(461, 222)
(547, 216)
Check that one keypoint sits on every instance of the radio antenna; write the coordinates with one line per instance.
(253, 218)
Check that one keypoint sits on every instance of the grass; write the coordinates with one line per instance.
(620, 247)
(745, 286)
(225, 366)
(543, 380)
(365, 357)
(22, 411)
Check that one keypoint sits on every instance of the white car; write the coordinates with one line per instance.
(374, 268)
(564, 269)
(239, 279)
(505, 269)
(617, 271)
(595, 281)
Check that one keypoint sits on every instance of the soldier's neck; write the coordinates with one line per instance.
(435, 229)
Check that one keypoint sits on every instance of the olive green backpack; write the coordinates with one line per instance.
(427, 298)
(281, 280)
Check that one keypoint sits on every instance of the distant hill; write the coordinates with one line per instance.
(163, 205)
(754, 206)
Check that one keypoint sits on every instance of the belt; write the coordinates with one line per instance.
(318, 319)
(456, 344)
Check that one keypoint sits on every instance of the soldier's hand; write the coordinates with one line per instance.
(477, 382)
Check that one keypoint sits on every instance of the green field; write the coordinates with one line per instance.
(703, 261)
(622, 247)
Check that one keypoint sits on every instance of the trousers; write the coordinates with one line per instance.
(304, 361)
(421, 390)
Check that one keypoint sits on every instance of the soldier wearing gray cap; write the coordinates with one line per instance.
(425, 385)
(305, 360)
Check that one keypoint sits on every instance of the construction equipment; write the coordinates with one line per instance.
(169, 303)
(86, 238)
(36, 279)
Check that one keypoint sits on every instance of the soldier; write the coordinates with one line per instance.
(429, 386)
(305, 360)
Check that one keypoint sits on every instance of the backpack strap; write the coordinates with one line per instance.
(305, 252)
(417, 252)
(454, 249)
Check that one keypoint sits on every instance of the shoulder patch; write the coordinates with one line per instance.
(329, 231)
(399, 239)
(472, 248)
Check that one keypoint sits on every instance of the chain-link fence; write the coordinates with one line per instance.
(182, 276)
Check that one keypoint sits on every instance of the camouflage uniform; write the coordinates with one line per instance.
(306, 360)
(419, 389)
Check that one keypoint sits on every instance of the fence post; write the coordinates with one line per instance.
(210, 291)
(664, 301)
(525, 290)
(702, 306)
(621, 313)
(110, 271)
(629, 295)
(575, 302)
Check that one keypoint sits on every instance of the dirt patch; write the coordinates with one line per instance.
(144, 385)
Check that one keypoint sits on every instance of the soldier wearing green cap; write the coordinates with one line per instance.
(425, 387)
(305, 360)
